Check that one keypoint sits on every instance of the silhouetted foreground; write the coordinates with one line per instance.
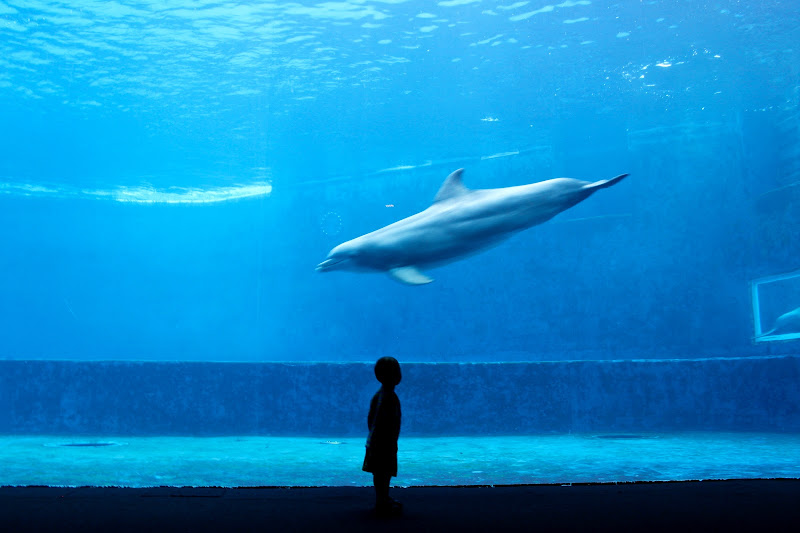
(742, 505)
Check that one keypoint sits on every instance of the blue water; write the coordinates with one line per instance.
(171, 173)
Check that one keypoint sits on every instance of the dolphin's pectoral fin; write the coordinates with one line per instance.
(410, 275)
(452, 187)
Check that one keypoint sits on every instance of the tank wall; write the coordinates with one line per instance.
(135, 398)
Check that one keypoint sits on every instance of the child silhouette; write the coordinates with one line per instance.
(384, 429)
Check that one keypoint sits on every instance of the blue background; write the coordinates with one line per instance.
(109, 108)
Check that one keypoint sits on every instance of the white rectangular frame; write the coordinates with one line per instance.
(754, 284)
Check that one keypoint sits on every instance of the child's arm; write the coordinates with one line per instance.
(373, 412)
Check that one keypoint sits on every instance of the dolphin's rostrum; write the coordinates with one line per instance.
(460, 222)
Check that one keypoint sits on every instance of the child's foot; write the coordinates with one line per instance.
(389, 507)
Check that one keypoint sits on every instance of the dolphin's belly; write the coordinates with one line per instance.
(435, 252)
(434, 244)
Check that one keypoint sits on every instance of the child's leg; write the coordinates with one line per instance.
(381, 482)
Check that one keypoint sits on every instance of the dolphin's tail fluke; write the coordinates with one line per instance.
(602, 184)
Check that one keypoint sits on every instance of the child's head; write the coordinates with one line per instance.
(387, 370)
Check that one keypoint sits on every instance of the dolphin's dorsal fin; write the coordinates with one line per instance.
(452, 187)
(410, 275)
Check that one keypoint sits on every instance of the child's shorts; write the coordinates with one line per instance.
(380, 462)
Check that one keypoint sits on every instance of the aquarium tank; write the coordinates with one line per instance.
(175, 173)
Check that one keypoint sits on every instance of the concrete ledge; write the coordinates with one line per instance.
(174, 398)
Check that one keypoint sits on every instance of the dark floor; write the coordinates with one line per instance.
(741, 505)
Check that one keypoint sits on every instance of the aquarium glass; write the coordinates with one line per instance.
(173, 171)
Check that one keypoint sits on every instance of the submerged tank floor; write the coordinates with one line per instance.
(423, 461)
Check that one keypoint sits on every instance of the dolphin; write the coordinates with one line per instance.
(460, 222)
(784, 324)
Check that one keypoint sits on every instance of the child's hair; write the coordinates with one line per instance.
(387, 370)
